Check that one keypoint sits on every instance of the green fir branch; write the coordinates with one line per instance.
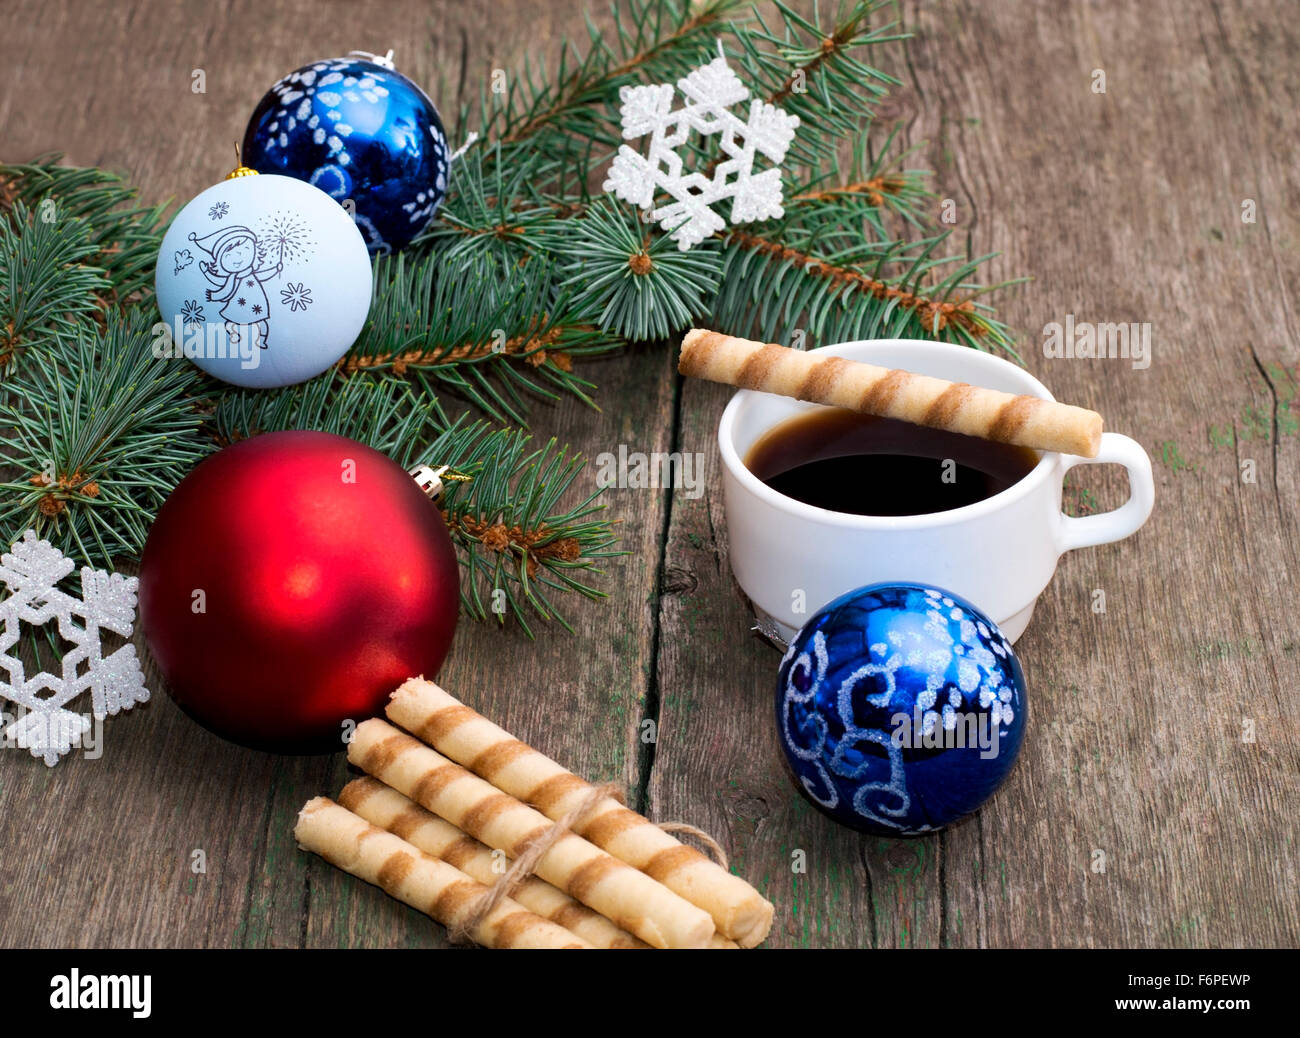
(862, 194)
(382, 413)
(494, 209)
(566, 123)
(97, 432)
(817, 71)
(518, 541)
(48, 288)
(486, 331)
(636, 284)
(126, 236)
(771, 290)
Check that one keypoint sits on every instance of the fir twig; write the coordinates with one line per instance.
(494, 338)
(97, 432)
(636, 284)
(845, 303)
(518, 542)
(126, 236)
(381, 413)
(562, 123)
(48, 288)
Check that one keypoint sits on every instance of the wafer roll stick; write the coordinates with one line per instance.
(420, 880)
(378, 804)
(1027, 421)
(441, 720)
(628, 898)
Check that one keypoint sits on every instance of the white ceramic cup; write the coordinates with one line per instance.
(998, 553)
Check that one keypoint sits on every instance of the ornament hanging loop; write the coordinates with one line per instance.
(430, 479)
(384, 60)
(240, 169)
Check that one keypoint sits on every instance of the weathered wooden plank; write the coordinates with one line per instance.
(1139, 192)
(1125, 207)
(100, 852)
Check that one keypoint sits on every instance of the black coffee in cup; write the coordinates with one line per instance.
(864, 465)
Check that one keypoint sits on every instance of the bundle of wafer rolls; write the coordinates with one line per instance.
(452, 796)
(1027, 421)
(422, 880)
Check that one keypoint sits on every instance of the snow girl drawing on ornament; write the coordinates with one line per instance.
(237, 281)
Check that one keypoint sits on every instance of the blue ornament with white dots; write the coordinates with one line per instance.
(365, 135)
(900, 709)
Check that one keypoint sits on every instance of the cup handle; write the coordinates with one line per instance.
(1088, 530)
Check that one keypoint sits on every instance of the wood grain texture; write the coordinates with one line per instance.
(1124, 206)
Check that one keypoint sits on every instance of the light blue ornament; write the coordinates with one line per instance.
(262, 281)
(364, 134)
(900, 708)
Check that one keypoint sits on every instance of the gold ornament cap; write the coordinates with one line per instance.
(240, 169)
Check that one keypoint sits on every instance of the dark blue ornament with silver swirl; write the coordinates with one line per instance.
(359, 130)
(900, 708)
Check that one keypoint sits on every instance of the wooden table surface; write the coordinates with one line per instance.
(1141, 811)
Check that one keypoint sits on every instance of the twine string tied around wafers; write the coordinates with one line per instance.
(526, 863)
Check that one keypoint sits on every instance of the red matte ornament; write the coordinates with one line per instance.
(290, 583)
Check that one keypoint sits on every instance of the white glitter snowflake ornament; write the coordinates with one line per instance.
(31, 572)
(710, 92)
